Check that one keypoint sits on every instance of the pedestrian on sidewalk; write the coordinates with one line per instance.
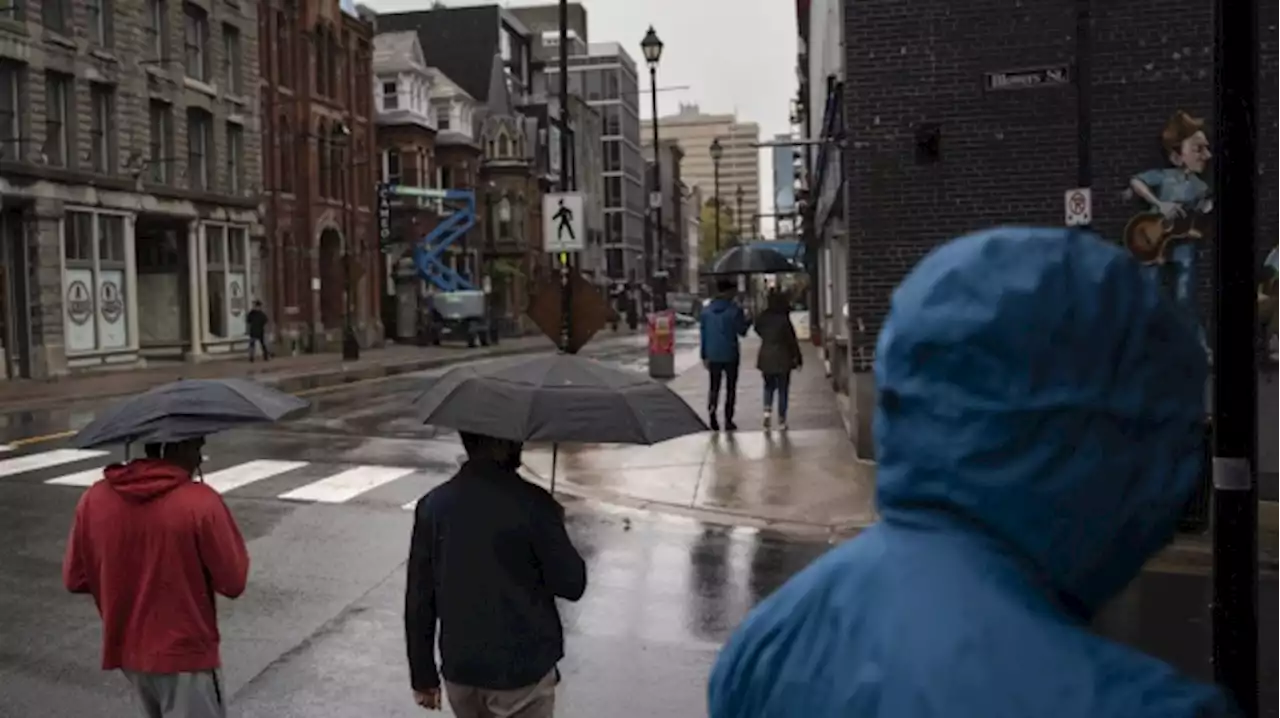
(779, 355)
(257, 324)
(152, 547)
(1039, 429)
(488, 557)
(721, 325)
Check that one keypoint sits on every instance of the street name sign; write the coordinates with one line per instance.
(563, 225)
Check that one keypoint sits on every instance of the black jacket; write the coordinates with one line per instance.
(779, 348)
(488, 557)
(256, 321)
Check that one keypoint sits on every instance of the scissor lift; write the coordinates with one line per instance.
(427, 253)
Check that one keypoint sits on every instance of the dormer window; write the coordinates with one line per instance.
(442, 117)
(390, 96)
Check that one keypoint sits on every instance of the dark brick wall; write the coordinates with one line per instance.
(1007, 157)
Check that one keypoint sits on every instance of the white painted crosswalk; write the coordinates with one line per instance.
(295, 481)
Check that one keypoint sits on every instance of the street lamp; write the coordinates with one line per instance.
(350, 344)
(739, 198)
(652, 48)
(717, 151)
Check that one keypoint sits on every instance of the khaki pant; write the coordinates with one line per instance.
(179, 695)
(535, 701)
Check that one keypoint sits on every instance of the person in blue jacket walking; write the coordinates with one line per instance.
(1039, 426)
(721, 325)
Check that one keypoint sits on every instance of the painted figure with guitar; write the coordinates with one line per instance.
(1165, 237)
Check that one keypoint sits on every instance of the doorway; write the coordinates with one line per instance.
(332, 286)
(164, 282)
(15, 278)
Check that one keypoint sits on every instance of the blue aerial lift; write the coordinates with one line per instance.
(427, 253)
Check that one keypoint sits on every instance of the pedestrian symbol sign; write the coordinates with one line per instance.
(563, 228)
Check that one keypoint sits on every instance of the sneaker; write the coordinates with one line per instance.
(713, 422)
(729, 425)
(768, 419)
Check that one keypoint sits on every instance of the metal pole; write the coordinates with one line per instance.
(660, 276)
(739, 214)
(716, 163)
(1235, 378)
(1084, 118)
(566, 184)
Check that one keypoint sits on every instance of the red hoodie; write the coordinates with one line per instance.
(153, 546)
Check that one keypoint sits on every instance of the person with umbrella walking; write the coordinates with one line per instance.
(779, 355)
(721, 325)
(152, 547)
(488, 557)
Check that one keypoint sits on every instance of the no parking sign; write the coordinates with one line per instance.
(1079, 207)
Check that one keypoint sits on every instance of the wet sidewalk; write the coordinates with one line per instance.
(806, 479)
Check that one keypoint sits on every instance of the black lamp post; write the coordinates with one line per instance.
(717, 151)
(350, 344)
(739, 198)
(652, 48)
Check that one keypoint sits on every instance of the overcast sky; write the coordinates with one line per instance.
(734, 55)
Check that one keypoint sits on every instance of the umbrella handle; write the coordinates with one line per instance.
(555, 454)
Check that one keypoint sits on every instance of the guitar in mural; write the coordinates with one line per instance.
(1150, 236)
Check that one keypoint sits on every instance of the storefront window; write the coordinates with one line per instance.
(226, 278)
(94, 290)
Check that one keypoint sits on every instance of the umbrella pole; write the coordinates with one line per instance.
(127, 445)
(555, 454)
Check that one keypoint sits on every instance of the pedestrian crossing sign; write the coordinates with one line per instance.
(563, 228)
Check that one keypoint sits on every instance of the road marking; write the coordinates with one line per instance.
(80, 478)
(411, 505)
(348, 484)
(43, 460)
(17, 443)
(247, 473)
(5, 448)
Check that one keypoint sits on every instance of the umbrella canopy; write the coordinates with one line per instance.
(750, 259)
(560, 398)
(186, 409)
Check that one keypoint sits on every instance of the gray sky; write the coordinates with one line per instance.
(735, 55)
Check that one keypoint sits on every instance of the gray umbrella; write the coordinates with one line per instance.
(750, 259)
(186, 409)
(557, 398)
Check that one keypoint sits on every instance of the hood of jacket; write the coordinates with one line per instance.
(142, 480)
(719, 305)
(1035, 389)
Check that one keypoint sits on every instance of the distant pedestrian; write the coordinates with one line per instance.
(257, 324)
(488, 557)
(779, 355)
(1021, 483)
(721, 325)
(152, 547)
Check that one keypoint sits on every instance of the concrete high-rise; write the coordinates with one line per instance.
(739, 166)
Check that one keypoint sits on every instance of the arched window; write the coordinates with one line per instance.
(321, 48)
(337, 169)
(504, 146)
(284, 142)
(284, 65)
(322, 157)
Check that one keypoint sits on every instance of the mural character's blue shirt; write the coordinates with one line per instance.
(1039, 427)
(1172, 184)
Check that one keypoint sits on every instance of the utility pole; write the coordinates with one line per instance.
(1235, 373)
(566, 184)
(1084, 116)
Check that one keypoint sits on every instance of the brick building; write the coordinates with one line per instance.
(128, 170)
(324, 263)
(956, 121)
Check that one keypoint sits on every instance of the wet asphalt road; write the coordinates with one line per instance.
(319, 632)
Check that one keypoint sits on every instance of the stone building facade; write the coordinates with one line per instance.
(129, 140)
(319, 178)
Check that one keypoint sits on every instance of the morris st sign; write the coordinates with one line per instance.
(1027, 78)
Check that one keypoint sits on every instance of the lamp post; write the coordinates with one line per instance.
(652, 48)
(739, 214)
(717, 151)
(350, 344)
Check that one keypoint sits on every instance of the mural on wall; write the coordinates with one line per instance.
(1268, 311)
(1166, 235)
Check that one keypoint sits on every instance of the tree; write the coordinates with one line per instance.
(728, 230)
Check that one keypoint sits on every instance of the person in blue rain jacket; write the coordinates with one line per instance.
(1039, 427)
(720, 327)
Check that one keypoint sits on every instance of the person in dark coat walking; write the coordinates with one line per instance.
(488, 558)
(257, 324)
(779, 355)
(720, 325)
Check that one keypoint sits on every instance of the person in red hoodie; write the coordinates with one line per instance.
(152, 547)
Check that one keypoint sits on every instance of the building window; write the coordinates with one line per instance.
(612, 191)
(284, 67)
(285, 168)
(11, 11)
(442, 117)
(235, 158)
(612, 120)
(613, 156)
(57, 124)
(158, 28)
(196, 39)
(337, 173)
(96, 256)
(199, 150)
(226, 279)
(101, 125)
(54, 15)
(322, 62)
(232, 62)
(504, 219)
(161, 159)
(390, 96)
(10, 100)
(322, 159)
(100, 22)
(391, 170)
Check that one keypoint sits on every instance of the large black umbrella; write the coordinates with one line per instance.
(558, 398)
(750, 259)
(186, 409)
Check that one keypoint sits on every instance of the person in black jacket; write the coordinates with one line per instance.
(488, 557)
(779, 355)
(256, 321)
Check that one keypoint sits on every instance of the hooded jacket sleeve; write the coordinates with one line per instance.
(222, 549)
(420, 602)
(75, 575)
(563, 570)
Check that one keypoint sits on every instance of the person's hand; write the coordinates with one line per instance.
(428, 699)
(1171, 210)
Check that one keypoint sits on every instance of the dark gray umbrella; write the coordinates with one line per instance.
(750, 259)
(558, 398)
(186, 409)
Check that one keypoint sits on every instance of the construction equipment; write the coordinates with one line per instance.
(427, 253)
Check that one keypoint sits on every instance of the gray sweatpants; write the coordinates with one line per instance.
(179, 695)
(535, 701)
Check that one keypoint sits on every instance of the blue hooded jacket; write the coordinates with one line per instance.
(721, 324)
(1040, 426)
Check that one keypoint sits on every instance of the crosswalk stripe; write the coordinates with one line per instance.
(347, 484)
(249, 472)
(5, 448)
(43, 460)
(88, 477)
